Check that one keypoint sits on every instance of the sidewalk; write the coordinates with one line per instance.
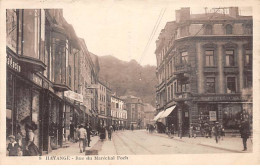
(231, 144)
(73, 148)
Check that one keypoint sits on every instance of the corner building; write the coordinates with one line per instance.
(204, 69)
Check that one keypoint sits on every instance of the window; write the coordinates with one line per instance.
(171, 91)
(231, 85)
(249, 81)
(184, 57)
(31, 33)
(175, 87)
(208, 30)
(170, 68)
(248, 29)
(69, 75)
(248, 58)
(229, 29)
(210, 84)
(183, 87)
(209, 54)
(11, 29)
(230, 60)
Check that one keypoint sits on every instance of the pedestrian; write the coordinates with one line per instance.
(30, 148)
(222, 132)
(102, 133)
(216, 131)
(167, 131)
(194, 131)
(72, 132)
(245, 133)
(172, 128)
(132, 127)
(191, 133)
(82, 134)
(89, 133)
(12, 146)
(109, 132)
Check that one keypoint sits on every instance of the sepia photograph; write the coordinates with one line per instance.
(107, 80)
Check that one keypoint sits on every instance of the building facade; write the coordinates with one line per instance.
(135, 111)
(118, 112)
(204, 69)
(45, 76)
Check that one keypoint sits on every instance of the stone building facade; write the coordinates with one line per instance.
(45, 76)
(204, 68)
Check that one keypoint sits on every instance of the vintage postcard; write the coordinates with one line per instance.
(130, 82)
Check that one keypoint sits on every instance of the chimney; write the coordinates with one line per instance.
(233, 11)
(182, 14)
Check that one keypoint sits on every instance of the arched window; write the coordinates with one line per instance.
(208, 30)
(229, 29)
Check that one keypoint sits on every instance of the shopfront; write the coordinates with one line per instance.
(23, 105)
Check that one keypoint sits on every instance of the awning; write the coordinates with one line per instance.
(158, 116)
(167, 112)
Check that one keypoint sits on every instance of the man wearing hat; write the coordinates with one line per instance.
(13, 146)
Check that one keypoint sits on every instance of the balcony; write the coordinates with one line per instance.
(182, 96)
(60, 87)
(27, 63)
(182, 69)
(32, 64)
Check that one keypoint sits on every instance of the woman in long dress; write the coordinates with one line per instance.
(31, 148)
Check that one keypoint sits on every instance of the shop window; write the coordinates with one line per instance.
(210, 85)
(231, 85)
(31, 33)
(208, 113)
(208, 30)
(229, 29)
(230, 58)
(248, 58)
(11, 29)
(231, 115)
(184, 57)
(209, 57)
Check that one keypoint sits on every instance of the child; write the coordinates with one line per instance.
(13, 146)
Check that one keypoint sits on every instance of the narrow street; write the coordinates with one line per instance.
(140, 142)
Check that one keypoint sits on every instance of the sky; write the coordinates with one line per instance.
(123, 29)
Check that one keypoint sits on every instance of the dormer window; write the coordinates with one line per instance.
(229, 29)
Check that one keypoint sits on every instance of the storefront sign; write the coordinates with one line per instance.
(220, 98)
(37, 80)
(212, 116)
(12, 63)
(74, 96)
